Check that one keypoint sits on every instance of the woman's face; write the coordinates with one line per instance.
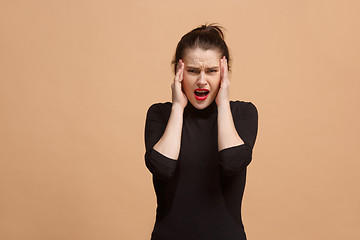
(201, 79)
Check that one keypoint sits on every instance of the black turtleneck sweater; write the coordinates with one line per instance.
(199, 195)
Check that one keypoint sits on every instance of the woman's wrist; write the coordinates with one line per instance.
(177, 107)
(223, 104)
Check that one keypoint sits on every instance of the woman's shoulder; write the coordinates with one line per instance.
(160, 108)
(240, 106)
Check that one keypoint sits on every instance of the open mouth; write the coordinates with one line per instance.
(201, 94)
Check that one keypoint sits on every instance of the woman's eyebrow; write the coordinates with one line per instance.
(197, 68)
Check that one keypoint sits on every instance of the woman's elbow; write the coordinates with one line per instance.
(235, 163)
(160, 166)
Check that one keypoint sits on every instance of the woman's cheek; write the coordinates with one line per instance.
(217, 83)
(185, 88)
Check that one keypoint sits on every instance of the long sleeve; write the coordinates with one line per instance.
(159, 165)
(234, 159)
(195, 200)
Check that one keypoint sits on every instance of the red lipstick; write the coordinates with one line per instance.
(201, 93)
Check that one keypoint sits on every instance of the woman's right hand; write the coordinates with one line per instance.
(169, 143)
(178, 96)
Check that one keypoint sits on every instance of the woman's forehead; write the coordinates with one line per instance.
(199, 57)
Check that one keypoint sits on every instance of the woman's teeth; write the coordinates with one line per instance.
(201, 93)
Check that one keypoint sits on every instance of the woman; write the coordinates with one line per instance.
(198, 146)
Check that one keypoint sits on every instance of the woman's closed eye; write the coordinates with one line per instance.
(212, 71)
(196, 71)
(193, 71)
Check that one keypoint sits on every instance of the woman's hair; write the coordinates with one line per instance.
(205, 37)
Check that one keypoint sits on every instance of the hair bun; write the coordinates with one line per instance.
(207, 36)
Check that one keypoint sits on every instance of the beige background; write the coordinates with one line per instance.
(76, 80)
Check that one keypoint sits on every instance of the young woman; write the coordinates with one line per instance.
(199, 146)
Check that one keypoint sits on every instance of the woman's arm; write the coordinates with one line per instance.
(235, 151)
(227, 134)
(169, 143)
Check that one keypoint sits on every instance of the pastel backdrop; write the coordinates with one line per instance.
(76, 80)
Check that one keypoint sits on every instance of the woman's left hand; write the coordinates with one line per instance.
(223, 95)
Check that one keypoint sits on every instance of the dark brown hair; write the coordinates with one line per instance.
(207, 36)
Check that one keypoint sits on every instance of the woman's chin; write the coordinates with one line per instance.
(200, 104)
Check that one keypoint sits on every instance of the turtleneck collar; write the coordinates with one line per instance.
(190, 109)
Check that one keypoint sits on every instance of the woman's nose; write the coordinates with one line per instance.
(201, 80)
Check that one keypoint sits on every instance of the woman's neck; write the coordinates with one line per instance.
(212, 108)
